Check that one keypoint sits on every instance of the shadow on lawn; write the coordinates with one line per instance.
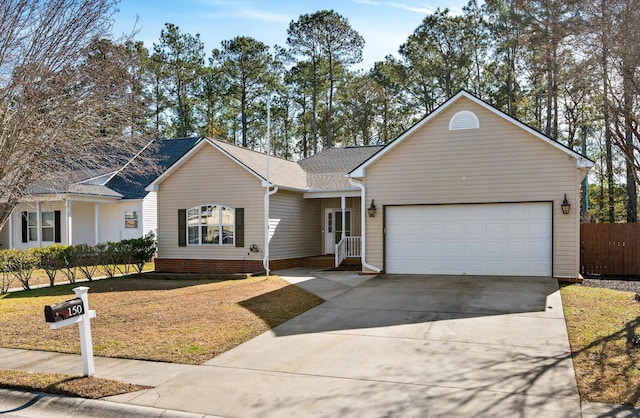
(280, 305)
(117, 284)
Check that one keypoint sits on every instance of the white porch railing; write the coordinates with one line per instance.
(348, 247)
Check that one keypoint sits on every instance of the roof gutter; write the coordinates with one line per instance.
(363, 214)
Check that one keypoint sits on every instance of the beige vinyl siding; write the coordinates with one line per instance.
(295, 226)
(210, 177)
(498, 163)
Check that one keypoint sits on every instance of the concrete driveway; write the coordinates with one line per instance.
(396, 346)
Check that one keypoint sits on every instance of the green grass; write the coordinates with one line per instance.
(182, 321)
(601, 323)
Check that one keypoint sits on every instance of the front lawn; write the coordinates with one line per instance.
(181, 321)
(601, 323)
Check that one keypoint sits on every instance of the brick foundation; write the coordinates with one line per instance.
(178, 265)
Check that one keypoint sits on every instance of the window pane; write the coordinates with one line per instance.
(227, 235)
(206, 212)
(215, 216)
(33, 234)
(47, 219)
(227, 216)
(193, 235)
(209, 234)
(192, 216)
(33, 219)
(130, 214)
(47, 234)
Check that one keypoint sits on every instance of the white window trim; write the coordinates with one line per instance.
(220, 225)
(39, 227)
(134, 218)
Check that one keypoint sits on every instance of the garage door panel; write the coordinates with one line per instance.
(496, 239)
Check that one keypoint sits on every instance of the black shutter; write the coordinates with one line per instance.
(25, 227)
(239, 227)
(182, 227)
(56, 228)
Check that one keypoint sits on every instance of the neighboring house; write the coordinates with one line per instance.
(107, 207)
(467, 190)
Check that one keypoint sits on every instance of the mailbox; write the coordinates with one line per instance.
(63, 310)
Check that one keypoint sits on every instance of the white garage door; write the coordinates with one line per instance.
(486, 239)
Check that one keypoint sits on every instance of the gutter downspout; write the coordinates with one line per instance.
(363, 214)
(269, 192)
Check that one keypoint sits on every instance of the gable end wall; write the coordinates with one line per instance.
(209, 177)
(497, 163)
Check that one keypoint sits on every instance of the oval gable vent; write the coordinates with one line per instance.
(464, 119)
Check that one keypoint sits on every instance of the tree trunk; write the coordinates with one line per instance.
(314, 108)
(243, 116)
(330, 107)
(632, 194)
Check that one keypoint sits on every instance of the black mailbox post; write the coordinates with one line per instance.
(63, 310)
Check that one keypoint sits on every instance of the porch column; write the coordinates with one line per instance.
(96, 222)
(67, 206)
(343, 204)
(11, 229)
(38, 223)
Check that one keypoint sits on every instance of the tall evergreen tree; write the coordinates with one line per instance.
(245, 65)
(182, 58)
(325, 36)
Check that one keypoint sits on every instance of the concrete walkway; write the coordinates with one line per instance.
(391, 346)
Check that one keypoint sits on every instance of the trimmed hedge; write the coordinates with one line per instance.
(110, 258)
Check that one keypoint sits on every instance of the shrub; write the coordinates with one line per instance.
(52, 260)
(87, 259)
(110, 258)
(22, 264)
(6, 277)
(142, 251)
(70, 263)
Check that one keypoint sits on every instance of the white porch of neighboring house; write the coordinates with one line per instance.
(341, 226)
(72, 221)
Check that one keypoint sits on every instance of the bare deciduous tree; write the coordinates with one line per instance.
(66, 95)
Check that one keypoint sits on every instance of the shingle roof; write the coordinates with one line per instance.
(327, 170)
(324, 171)
(281, 172)
(130, 182)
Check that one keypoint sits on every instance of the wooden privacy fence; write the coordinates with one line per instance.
(610, 249)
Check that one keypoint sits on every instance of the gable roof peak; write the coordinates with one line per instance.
(581, 160)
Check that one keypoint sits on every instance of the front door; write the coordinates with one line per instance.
(333, 228)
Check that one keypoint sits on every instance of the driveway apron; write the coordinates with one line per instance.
(397, 345)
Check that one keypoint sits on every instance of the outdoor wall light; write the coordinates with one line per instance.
(565, 205)
(372, 209)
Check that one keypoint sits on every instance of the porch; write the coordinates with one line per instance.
(348, 247)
